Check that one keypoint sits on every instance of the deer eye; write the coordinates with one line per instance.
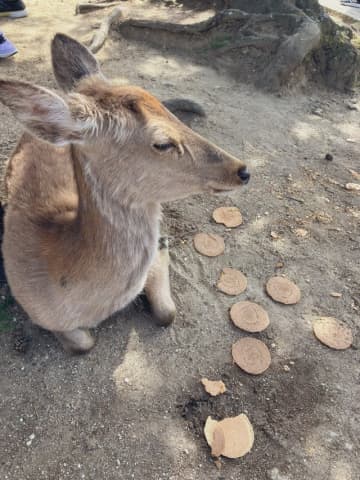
(163, 147)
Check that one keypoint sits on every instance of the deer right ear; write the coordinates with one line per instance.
(71, 62)
(42, 112)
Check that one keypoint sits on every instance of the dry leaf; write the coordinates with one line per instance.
(229, 216)
(213, 387)
(282, 290)
(251, 355)
(232, 282)
(249, 316)
(209, 244)
(332, 333)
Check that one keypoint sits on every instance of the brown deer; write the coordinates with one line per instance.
(85, 184)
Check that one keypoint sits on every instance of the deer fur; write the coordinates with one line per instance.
(85, 185)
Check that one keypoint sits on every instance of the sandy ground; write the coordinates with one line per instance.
(133, 408)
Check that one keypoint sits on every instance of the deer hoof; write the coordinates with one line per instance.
(165, 316)
(76, 341)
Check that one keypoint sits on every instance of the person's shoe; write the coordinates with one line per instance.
(7, 49)
(12, 8)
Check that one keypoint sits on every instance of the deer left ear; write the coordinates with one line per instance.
(41, 111)
(71, 62)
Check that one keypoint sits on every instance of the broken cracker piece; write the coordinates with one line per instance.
(209, 430)
(209, 244)
(232, 282)
(283, 290)
(231, 437)
(332, 333)
(213, 387)
(251, 355)
(229, 216)
(218, 442)
(249, 316)
(238, 436)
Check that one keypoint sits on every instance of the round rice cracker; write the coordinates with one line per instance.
(283, 290)
(229, 216)
(232, 281)
(332, 333)
(251, 355)
(249, 316)
(209, 244)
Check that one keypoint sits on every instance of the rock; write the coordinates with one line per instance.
(275, 474)
(354, 187)
(317, 111)
(351, 106)
(329, 157)
(301, 232)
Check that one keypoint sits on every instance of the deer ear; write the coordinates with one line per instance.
(71, 62)
(41, 111)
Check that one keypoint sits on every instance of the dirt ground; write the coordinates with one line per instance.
(133, 407)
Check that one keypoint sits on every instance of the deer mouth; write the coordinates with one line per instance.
(217, 189)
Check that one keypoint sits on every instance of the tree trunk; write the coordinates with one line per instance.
(271, 43)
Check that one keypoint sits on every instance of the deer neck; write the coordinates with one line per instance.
(118, 229)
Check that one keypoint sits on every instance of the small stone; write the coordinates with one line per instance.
(317, 111)
(329, 157)
(351, 106)
(301, 232)
(286, 368)
(274, 235)
(350, 140)
(355, 174)
(336, 294)
(354, 187)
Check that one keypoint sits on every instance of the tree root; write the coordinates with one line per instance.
(290, 55)
(100, 35)
(91, 7)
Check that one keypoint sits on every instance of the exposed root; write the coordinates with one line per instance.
(100, 35)
(91, 7)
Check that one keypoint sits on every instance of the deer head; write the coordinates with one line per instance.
(127, 140)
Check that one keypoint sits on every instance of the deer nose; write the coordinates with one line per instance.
(244, 174)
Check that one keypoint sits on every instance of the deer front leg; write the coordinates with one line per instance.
(76, 341)
(157, 287)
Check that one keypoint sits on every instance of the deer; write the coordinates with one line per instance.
(85, 185)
